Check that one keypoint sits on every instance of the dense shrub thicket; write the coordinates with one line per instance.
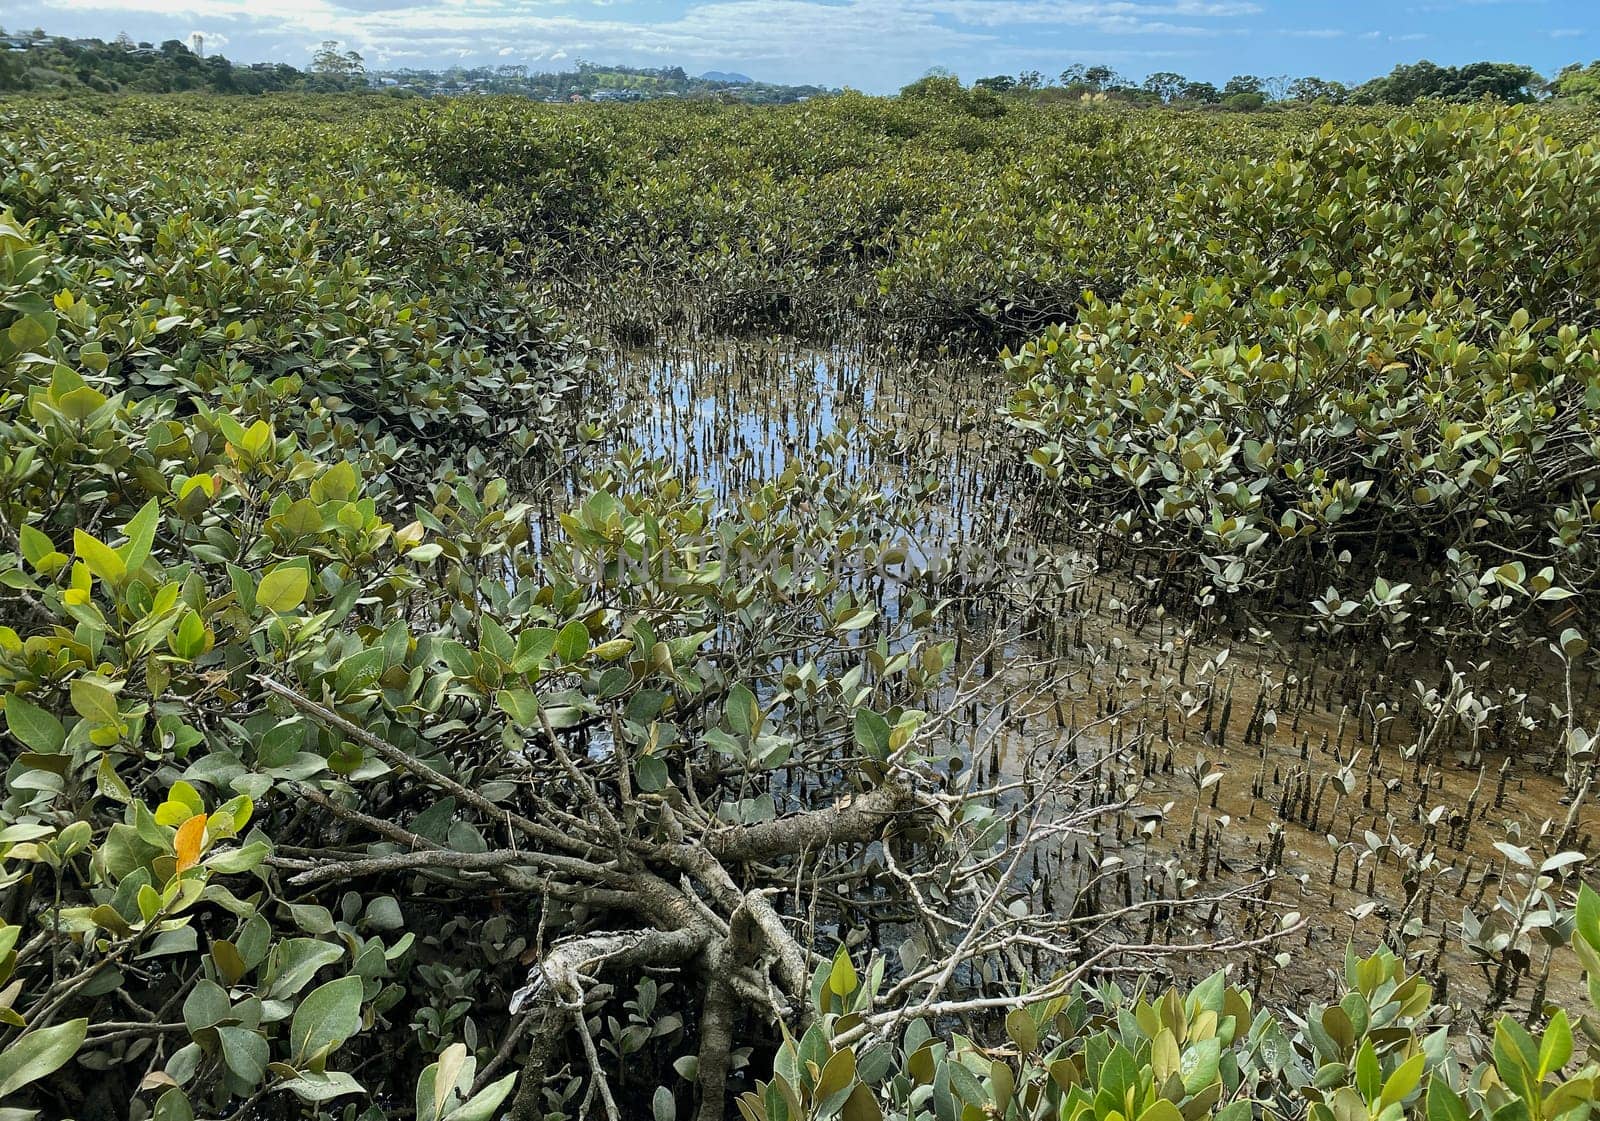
(312, 744)
(318, 736)
(916, 212)
(1349, 366)
(216, 388)
(1361, 376)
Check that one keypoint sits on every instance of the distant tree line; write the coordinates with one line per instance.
(592, 81)
(1578, 82)
(1404, 85)
(32, 60)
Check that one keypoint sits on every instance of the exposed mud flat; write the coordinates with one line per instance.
(1268, 774)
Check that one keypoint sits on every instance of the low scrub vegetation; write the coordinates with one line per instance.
(1360, 378)
(381, 741)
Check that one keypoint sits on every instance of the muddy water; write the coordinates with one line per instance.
(1274, 770)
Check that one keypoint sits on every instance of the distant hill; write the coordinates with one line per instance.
(589, 81)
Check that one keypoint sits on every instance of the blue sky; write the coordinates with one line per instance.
(874, 45)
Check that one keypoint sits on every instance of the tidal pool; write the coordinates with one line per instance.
(1264, 776)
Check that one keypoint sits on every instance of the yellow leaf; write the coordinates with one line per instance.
(611, 651)
(172, 814)
(338, 483)
(283, 589)
(191, 834)
(183, 802)
(842, 977)
(100, 557)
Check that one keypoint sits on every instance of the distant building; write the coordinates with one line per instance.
(197, 44)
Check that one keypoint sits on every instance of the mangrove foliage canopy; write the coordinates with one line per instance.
(384, 738)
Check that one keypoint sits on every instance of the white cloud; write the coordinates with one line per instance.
(214, 40)
(834, 41)
(1112, 16)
